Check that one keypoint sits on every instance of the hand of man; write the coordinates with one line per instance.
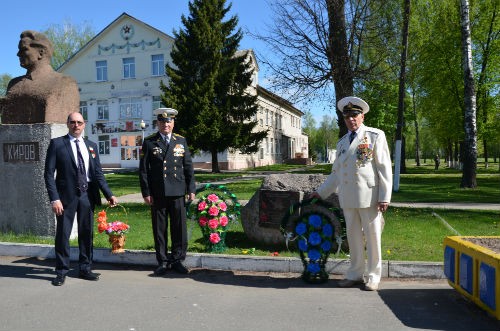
(113, 201)
(382, 206)
(191, 196)
(148, 200)
(57, 207)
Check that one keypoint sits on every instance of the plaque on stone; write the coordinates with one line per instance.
(274, 205)
(21, 152)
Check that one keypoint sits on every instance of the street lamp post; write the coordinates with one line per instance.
(143, 127)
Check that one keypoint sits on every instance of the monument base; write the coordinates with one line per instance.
(261, 217)
(25, 202)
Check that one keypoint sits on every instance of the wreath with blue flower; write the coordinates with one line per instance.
(315, 235)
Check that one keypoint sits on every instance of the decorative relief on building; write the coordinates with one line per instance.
(143, 44)
(127, 31)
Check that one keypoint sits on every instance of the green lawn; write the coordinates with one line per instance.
(409, 234)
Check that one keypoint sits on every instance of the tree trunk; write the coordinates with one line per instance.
(215, 162)
(449, 154)
(485, 149)
(417, 137)
(338, 56)
(399, 166)
(470, 140)
(403, 155)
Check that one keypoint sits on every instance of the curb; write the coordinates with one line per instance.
(390, 269)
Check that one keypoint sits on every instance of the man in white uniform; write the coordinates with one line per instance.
(362, 178)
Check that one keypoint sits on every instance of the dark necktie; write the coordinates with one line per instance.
(352, 136)
(82, 174)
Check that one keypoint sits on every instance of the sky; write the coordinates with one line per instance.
(165, 15)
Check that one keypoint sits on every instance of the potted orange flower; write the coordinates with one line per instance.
(116, 231)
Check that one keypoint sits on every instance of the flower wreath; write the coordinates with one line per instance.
(213, 212)
(314, 233)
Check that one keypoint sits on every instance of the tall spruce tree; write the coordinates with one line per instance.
(209, 83)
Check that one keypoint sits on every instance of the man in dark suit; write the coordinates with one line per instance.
(73, 177)
(166, 175)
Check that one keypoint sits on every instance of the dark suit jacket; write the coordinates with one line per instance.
(64, 186)
(166, 170)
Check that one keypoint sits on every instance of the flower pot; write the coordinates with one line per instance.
(117, 243)
(472, 268)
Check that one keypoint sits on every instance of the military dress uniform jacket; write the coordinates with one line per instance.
(361, 173)
(166, 170)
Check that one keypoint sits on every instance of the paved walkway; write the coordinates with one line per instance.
(128, 298)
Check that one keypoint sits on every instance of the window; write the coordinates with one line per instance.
(103, 145)
(157, 65)
(129, 67)
(102, 110)
(101, 70)
(157, 103)
(130, 108)
(130, 147)
(84, 110)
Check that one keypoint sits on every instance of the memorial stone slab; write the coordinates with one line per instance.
(278, 187)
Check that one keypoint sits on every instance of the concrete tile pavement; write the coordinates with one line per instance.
(128, 298)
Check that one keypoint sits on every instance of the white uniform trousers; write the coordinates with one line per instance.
(367, 221)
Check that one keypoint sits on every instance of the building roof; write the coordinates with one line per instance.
(276, 98)
(117, 21)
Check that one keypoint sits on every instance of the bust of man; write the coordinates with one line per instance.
(42, 95)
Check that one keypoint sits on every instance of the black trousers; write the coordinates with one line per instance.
(171, 210)
(84, 215)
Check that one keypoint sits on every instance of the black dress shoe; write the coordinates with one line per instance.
(160, 271)
(89, 275)
(58, 281)
(179, 268)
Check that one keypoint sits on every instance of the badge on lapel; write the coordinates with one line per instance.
(364, 153)
(92, 152)
(179, 150)
(157, 151)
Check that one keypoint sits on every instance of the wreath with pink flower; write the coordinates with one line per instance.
(214, 211)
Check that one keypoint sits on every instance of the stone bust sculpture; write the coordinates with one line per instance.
(42, 95)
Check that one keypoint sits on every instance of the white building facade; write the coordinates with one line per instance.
(118, 74)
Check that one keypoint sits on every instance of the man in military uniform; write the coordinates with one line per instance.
(166, 175)
(362, 177)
